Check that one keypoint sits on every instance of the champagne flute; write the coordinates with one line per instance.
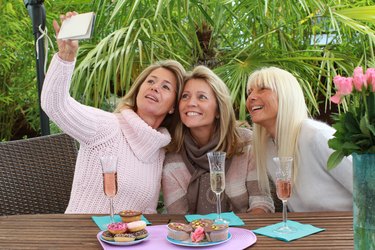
(109, 170)
(217, 179)
(284, 188)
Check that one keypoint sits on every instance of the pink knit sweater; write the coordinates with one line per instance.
(139, 147)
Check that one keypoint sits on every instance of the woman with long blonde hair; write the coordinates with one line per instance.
(281, 127)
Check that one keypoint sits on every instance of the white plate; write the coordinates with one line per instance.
(116, 243)
(199, 244)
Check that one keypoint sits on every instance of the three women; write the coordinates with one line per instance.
(281, 128)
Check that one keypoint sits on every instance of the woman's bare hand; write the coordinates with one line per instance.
(67, 48)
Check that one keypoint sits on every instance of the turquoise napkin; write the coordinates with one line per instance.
(103, 221)
(302, 230)
(233, 219)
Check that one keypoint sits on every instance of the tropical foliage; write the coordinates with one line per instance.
(14, 58)
(311, 39)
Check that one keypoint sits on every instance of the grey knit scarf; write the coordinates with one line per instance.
(200, 198)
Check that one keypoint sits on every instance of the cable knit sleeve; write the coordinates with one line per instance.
(175, 181)
(80, 121)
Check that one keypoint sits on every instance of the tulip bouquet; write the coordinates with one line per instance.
(355, 126)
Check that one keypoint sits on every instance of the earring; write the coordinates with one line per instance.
(217, 116)
(171, 111)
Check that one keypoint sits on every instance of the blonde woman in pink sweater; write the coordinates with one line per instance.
(136, 132)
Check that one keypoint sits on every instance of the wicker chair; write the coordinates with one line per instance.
(36, 174)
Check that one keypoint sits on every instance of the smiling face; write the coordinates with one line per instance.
(262, 104)
(198, 108)
(156, 96)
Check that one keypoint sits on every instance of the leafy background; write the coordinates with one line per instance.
(231, 37)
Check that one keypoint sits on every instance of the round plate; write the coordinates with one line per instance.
(200, 244)
(116, 243)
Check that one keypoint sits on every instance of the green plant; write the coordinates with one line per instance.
(17, 91)
(231, 37)
(355, 127)
(19, 112)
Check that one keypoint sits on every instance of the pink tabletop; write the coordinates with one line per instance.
(241, 238)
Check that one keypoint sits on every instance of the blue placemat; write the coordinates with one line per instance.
(233, 219)
(103, 221)
(302, 230)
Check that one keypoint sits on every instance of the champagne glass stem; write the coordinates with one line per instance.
(218, 205)
(111, 209)
(285, 217)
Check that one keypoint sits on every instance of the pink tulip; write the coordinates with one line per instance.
(336, 98)
(344, 85)
(337, 80)
(370, 77)
(359, 79)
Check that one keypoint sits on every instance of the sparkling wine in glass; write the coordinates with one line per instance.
(109, 170)
(284, 188)
(217, 179)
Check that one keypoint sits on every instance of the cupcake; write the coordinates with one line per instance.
(201, 223)
(179, 231)
(216, 232)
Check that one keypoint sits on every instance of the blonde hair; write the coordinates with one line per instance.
(229, 139)
(129, 100)
(292, 110)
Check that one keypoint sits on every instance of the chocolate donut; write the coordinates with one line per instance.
(124, 237)
(140, 234)
(107, 235)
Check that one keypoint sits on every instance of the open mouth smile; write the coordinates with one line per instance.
(191, 113)
(153, 98)
(258, 107)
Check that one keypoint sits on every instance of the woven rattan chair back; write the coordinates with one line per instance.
(36, 174)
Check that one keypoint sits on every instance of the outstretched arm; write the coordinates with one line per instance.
(83, 123)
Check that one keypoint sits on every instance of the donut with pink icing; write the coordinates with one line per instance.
(136, 226)
(117, 228)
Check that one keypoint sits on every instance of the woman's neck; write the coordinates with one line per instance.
(201, 136)
(271, 130)
(153, 122)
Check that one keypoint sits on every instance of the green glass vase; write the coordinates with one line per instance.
(364, 201)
